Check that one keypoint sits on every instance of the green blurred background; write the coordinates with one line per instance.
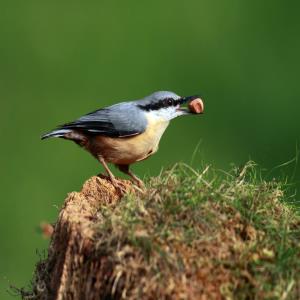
(61, 59)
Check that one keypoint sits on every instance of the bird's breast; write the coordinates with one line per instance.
(128, 150)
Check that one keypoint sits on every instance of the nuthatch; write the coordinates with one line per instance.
(126, 132)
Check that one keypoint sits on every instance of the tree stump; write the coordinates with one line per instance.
(180, 239)
(73, 269)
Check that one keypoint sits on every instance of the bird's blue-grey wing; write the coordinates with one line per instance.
(120, 120)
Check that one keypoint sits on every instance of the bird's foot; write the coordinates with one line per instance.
(139, 185)
(139, 189)
(120, 186)
(139, 182)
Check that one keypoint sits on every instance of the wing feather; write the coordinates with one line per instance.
(120, 120)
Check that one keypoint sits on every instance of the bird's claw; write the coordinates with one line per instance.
(120, 187)
(141, 190)
(139, 185)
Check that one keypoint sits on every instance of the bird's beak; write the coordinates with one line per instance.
(194, 105)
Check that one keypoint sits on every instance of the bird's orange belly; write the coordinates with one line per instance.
(128, 150)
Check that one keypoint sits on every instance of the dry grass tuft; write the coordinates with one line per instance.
(199, 235)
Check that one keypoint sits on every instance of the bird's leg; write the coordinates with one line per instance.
(108, 171)
(116, 183)
(125, 169)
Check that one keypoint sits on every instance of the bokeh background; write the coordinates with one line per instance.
(61, 59)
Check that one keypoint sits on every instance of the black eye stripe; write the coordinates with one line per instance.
(167, 102)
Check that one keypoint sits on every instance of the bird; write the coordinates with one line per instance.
(126, 132)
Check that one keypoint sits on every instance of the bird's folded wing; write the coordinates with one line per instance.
(120, 120)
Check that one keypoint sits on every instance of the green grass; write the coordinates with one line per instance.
(229, 235)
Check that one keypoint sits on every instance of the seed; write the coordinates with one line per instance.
(196, 106)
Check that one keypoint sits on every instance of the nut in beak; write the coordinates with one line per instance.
(196, 106)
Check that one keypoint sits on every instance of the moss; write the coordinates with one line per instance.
(203, 232)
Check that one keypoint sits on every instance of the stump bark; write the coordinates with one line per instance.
(72, 269)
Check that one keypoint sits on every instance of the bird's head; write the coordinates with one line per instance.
(167, 105)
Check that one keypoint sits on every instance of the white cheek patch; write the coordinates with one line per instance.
(166, 114)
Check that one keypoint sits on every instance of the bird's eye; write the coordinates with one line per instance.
(169, 102)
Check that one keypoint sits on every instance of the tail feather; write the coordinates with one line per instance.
(55, 133)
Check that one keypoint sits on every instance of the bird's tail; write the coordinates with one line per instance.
(56, 133)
